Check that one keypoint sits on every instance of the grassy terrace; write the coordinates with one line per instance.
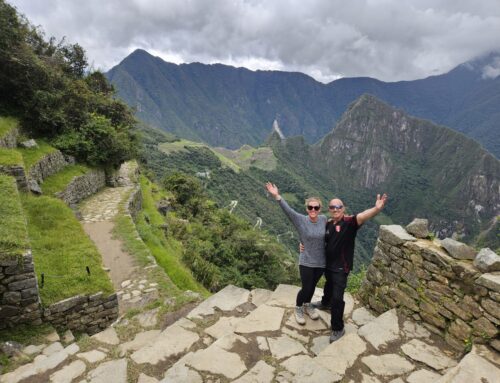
(62, 250)
(13, 235)
(167, 251)
(32, 155)
(6, 125)
(58, 182)
(10, 157)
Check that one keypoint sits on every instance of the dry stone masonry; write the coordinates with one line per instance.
(19, 298)
(83, 186)
(443, 284)
(49, 164)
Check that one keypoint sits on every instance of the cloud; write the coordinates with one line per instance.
(386, 39)
(492, 70)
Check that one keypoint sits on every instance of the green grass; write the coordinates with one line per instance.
(355, 280)
(13, 234)
(32, 155)
(246, 156)
(167, 251)
(6, 125)
(10, 157)
(181, 145)
(62, 250)
(58, 182)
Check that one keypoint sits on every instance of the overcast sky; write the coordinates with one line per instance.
(386, 39)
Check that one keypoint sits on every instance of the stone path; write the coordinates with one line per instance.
(250, 336)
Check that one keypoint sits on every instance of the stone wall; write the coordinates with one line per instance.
(48, 165)
(19, 298)
(83, 186)
(9, 140)
(437, 283)
(87, 313)
(16, 171)
(134, 203)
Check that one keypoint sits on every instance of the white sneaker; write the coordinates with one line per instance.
(311, 311)
(299, 315)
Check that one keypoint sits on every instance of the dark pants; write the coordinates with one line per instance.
(333, 295)
(309, 277)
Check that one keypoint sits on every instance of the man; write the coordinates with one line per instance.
(340, 238)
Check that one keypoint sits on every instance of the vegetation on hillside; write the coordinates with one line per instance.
(47, 84)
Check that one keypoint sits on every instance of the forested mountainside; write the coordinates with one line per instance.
(428, 171)
(227, 106)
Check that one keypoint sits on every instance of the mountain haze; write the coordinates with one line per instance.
(227, 106)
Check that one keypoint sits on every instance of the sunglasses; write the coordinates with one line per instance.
(309, 207)
(335, 207)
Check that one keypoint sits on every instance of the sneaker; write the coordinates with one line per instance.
(320, 306)
(336, 335)
(299, 315)
(311, 311)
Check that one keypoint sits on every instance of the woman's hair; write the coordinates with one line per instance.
(315, 199)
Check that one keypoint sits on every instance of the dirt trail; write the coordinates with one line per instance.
(97, 215)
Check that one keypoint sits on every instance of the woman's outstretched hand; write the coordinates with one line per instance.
(272, 189)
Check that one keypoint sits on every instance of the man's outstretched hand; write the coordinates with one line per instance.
(272, 189)
(380, 203)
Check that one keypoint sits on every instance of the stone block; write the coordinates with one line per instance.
(491, 281)
(11, 298)
(440, 288)
(458, 250)
(8, 311)
(484, 328)
(394, 235)
(22, 284)
(457, 310)
(419, 228)
(487, 261)
(459, 329)
(403, 299)
(469, 304)
(491, 307)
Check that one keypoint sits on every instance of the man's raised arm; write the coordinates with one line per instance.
(370, 213)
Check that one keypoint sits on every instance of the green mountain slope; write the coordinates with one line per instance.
(429, 171)
(227, 106)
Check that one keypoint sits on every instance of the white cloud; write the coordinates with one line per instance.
(386, 39)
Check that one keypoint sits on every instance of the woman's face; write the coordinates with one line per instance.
(313, 208)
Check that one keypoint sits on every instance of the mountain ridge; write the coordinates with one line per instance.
(227, 106)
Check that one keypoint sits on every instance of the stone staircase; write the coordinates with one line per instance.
(251, 336)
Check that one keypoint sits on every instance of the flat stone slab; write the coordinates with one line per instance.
(284, 346)
(143, 378)
(362, 316)
(487, 260)
(419, 227)
(53, 348)
(113, 371)
(68, 373)
(140, 340)
(33, 349)
(294, 334)
(430, 355)
(394, 235)
(388, 364)
(173, 340)
(471, 369)
(311, 325)
(107, 336)
(260, 296)
(216, 360)
(226, 299)
(320, 343)
(490, 281)
(415, 330)
(367, 379)
(423, 376)
(260, 373)
(342, 354)
(92, 356)
(181, 373)
(224, 326)
(284, 296)
(148, 318)
(381, 330)
(307, 370)
(263, 318)
(458, 250)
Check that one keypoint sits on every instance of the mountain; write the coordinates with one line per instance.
(227, 106)
(428, 170)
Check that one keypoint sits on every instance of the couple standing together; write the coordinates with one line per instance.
(327, 247)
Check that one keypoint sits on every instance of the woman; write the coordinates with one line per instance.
(311, 229)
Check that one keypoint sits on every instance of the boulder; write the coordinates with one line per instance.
(29, 144)
(458, 250)
(394, 235)
(487, 260)
(419, 228)
(34, 187)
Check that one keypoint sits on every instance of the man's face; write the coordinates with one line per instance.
(336, 209)
(313, 208)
